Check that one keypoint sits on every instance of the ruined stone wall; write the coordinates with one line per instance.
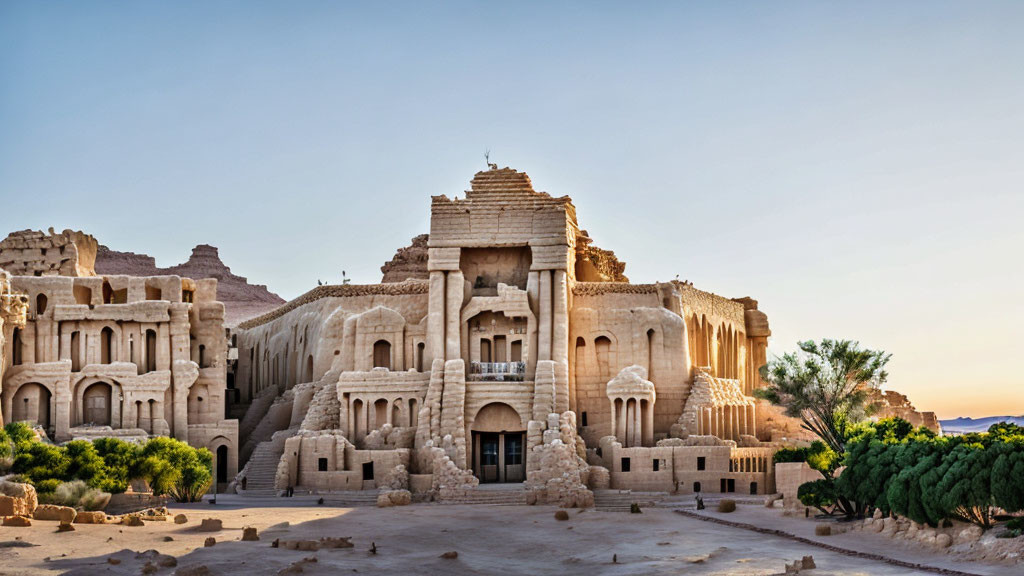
(35, 253)
(119, 355)
(409, 262)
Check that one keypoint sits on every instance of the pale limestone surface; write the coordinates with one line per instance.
(122, 356)
(503, 316)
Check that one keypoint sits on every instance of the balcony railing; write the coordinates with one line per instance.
(498, 371)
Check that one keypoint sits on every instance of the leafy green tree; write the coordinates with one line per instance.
(1008, 475)
(826, 386)
(964, 489)
(906, 491)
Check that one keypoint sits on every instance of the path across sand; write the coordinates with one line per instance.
(410, 540)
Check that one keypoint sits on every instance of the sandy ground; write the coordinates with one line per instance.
(410, 540)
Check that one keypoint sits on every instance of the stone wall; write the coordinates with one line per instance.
(35, 253)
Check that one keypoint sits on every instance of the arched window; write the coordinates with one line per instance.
(603, 347)
(420, 349)
(381, 354)
(150, 350)
(40, 304)
(16, 347)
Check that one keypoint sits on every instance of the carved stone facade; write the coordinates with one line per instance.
(112, 355)
(494, 334)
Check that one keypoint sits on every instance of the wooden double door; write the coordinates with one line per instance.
(499, 456)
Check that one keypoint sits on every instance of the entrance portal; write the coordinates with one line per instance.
(498, 456)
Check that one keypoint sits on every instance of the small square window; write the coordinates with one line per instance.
(583, 419)
(367, 470)
(321, 464)
(657, 464)
(700, 463)
(625, 464)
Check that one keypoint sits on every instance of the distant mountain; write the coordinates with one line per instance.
(978, 424)
(241, 299)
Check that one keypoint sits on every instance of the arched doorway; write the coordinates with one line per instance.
(222, 464)
(499, 444)
(96, 402)
(32, 404)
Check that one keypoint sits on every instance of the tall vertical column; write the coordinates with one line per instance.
(544, 321)
(615, 417)
(638, 438)
(533, 296)
(630, 416)
(455, 290)
(649, 424)
(560, 338)
(435, 318)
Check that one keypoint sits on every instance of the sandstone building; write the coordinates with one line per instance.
(112, 355)
(506, 347)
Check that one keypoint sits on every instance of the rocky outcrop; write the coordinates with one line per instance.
(594, 264)
(241, 299)
(892, 404)
(408, 262)
(37, 253)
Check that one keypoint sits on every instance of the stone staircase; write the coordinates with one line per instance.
(621, 500)
(505, 495)
(262, 469)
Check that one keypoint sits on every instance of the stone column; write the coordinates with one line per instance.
(544, 321)
(453, 310)
(163, 352)
(638, 432)
(560, 339)
(435, 318)
(615, 417)
(530, 346)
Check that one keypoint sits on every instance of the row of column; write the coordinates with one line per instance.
(727, 422)
(633, 421)
(362, 419)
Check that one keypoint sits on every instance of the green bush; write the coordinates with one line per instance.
(911, 472)
(47, 486)
(174, 468)
(820, 494)
(108, 465)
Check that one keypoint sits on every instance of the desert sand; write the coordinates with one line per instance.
(411, 540)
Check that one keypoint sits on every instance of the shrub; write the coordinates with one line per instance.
(820, 494)
(47, 486)
(20, 433)
(726, 506)
(174, 468)
(78, 494)
(6, 451)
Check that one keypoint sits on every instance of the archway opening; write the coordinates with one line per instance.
(499, 444)
(32, 404)
(106, 345)
(96, 401)
(382, 354)
(222, 464)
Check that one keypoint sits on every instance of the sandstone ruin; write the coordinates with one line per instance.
(502, 347)
(88, 355)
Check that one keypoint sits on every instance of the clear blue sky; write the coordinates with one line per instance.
(857, 167)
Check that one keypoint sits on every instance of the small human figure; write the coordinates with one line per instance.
(700, 501)
(289, 492)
